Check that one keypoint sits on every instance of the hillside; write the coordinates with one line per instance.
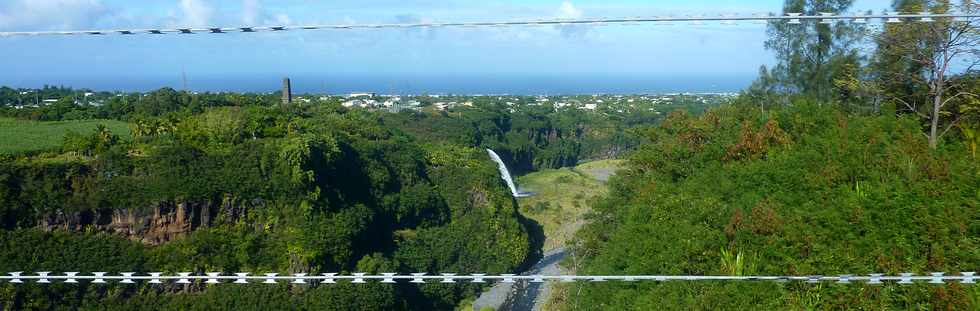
(799, 190)
(256, 190)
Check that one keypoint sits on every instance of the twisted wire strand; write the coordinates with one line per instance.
(792, 18)
(421, 278)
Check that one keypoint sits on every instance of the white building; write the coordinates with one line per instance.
(355, 95)
(352, 103)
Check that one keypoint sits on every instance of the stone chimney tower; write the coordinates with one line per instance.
(287, 92)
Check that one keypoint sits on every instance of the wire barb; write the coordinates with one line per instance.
(45, 277)
(728, 19)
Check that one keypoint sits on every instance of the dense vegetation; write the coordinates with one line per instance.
(235, 182)
(801, 190)
(532, 138)
(63, 103)
(527, 135)
(293, 189)
(836, 161)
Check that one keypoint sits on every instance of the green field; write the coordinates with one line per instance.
(561, 197)
(19, 136)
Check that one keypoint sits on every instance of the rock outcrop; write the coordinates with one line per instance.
(156, 224)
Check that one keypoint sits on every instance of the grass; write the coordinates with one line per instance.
(600, 170)
(601, 164)
(560, 293)
(19, 136)
(562, 198)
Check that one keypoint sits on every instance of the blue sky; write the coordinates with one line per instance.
(91, 61)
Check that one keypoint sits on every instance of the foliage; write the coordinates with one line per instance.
(735, 263)
(928, 69)
(841, 194)
(531, 139)
(98, 142)
(916, 64)
(971, 138)
(810, 55)
(260, 190)
(62, 103)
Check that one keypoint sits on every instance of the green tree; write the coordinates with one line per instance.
(914, 61)
(96, 143)
(159, 102)
(810, 54)
(764, 89)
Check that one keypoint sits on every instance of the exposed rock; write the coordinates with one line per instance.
(153, 225)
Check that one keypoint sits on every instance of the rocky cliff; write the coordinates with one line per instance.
(153, 225)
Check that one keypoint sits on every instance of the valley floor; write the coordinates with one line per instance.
(559, 205)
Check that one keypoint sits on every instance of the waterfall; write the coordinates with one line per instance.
(505, 174)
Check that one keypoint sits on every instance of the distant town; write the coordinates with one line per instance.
(599, 103)
(658, 103)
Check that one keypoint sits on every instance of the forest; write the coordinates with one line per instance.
(531, 139)
(255, 189)
(239, 182)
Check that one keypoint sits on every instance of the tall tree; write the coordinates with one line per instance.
(764, 89)
(810, 54)
(914, 61)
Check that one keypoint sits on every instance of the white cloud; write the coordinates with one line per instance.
(550, 35)
(195, 13)
(254, 14)
(51, 14)
(569, 10)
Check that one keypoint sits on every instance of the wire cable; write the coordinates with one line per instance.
(791, 18)
(422, 278)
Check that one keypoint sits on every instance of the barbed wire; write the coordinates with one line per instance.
(791, 18)
(423, 278)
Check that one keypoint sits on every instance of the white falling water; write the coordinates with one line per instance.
(505, 174)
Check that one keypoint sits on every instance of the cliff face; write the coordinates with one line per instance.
(156, 224)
